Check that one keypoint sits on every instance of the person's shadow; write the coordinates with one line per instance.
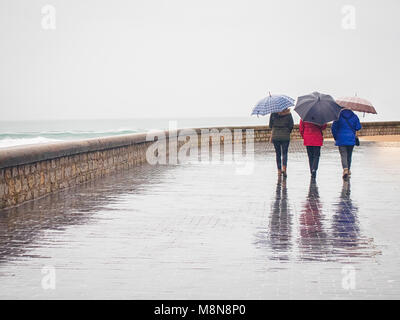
(345, 227)
(277, 236)
(346, 232)
(313, 237)
(280, 225)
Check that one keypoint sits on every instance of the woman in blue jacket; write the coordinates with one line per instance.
(344, 132)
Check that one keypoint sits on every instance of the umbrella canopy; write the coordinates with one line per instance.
(356, 104)
(317, 108)
(272, 104)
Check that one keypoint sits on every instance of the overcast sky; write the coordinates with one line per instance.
(192, 58)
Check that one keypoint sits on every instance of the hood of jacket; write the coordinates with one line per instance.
(346, 113)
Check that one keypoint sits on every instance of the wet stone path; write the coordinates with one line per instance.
(210, 231)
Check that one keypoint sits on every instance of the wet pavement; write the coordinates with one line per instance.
(207, 231)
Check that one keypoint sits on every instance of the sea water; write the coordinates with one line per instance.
(14, 133)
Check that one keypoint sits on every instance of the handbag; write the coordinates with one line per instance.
(354, 131)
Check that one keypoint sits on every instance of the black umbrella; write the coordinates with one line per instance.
(317, 108)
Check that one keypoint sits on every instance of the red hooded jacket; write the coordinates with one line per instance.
(311, 133)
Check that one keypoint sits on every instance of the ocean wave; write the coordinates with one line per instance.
(67, 134)
(9, 142)
(9, 139)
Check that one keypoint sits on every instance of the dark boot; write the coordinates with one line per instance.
(284, 173)
(345, 173)
(313, 174)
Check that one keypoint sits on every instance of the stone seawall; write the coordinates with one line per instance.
(31, 172)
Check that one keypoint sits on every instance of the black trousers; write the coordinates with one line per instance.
(313, 153)
(346, 153)
(281, 150)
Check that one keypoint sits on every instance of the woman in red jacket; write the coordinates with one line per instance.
(313, 140)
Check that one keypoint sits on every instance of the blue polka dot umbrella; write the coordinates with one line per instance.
(272, 104)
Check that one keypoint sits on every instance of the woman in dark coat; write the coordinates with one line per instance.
(344, 132)
(281, 124)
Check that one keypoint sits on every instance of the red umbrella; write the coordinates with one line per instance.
(356, 104)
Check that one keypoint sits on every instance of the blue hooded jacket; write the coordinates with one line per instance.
(341, 131)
